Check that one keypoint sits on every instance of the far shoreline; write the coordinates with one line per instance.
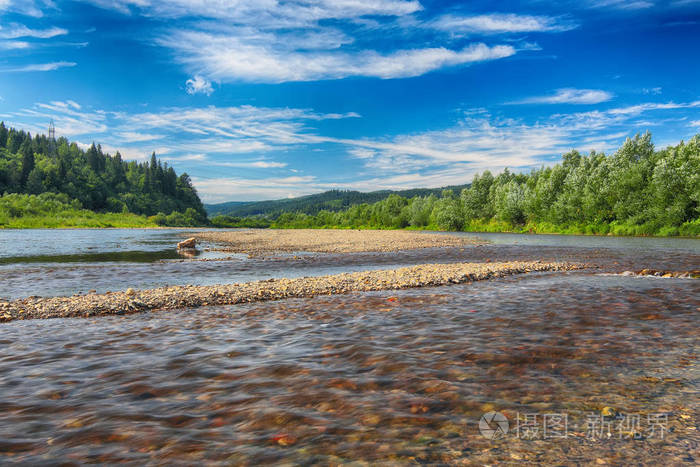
(407, 229)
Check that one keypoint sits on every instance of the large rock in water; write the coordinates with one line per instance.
(188, 244)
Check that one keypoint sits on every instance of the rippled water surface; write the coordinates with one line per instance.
(391, 377)
(68, 261)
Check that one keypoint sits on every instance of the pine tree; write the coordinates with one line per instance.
(27, 161)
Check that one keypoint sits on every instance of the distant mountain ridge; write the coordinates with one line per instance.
(332, 200)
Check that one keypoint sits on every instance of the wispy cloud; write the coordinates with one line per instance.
(480, 141)
(223, 136)
(621, 4)
(40, 67)
(14, 31)
(198, 85)
(499, 23)
(34, 8)
(251, 141)
(306, 40)
(246, 189)
(290, 13)
(227, 58)
(570, 96)
(14, 45)
(137, 137)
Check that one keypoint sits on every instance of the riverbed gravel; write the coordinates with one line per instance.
(256, 242)
(178, 297)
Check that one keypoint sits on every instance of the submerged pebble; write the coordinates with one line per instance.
(175, 297)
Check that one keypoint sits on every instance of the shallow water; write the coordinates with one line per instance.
(69, 261)
(399, 376)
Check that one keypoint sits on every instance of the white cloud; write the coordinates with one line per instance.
(198, 85)
(135, 136)
(290, 13)
(187, 157)
(246, 138)
(227, 58)
(621, 4)
(186, 134)
(274, 41)
(362, 153)
(221, 189)
(570, 96)
(500, 23)
(14, 31)
(32, 8)
(40, 67)
(251, 164)
(480, 141)
(654, 91)
(639, 108)
(14, 45)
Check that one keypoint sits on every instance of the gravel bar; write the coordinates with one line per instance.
(257, 242)
(179, 297)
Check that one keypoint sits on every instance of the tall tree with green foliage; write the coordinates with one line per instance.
(98, 181)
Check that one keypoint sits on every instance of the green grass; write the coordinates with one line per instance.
(85, 220)
(689, 229)
(50, 210)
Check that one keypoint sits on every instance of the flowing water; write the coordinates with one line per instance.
(385, 377)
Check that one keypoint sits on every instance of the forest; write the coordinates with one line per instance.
(635, 191)
(638, 190)
(331, 200)
(91, 180)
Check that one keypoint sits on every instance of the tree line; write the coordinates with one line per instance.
(636, 191)
(331, 200)
(99, 181)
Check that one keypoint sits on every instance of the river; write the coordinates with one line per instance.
(397, 376)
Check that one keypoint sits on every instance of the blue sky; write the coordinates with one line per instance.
(271, 98)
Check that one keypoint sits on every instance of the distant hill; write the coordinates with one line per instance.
(333, 200)
(224, 208)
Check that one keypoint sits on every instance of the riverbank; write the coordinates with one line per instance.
(53, 211)
(178, 297)
(268, 241)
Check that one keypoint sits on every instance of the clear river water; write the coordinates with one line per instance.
(398, 377)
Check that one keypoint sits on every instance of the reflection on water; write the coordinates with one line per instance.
(114, 256)
(382, 377)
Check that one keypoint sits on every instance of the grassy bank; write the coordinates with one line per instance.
(50, 210)
(687, 229)
(80, 219)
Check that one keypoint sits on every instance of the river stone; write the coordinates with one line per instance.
(187, 244)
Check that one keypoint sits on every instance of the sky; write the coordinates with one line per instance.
(268, 99)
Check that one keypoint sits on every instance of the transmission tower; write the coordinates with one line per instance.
(52, 139)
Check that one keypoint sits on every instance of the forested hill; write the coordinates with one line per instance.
(333, 200)
(100, 182)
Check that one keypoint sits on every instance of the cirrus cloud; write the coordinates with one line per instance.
(570, 96)
(499, 23)
(198, 85)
